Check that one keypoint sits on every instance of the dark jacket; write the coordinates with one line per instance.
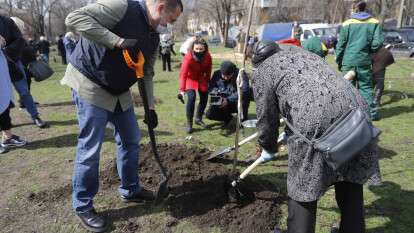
(107, 67)
(61, 47)
(303, 88)
(44, 47)
(14, 45)
(228, 88)
(29, 54)
(381, 59)
(14, 39)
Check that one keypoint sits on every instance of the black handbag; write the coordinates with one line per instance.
(40, 70)
(344, 139)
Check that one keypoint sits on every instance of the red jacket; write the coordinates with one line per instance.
(290, 41)
(195, 75)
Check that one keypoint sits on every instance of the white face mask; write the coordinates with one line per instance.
(164, 29)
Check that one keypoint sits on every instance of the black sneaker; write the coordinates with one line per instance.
(14, 141)
(200, 123)
(143, 196)
(91, 221)
(2, 150)
(40, 123)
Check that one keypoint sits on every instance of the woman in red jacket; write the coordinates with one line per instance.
(195, 76)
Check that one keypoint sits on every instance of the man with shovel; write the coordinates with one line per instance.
(100, 80)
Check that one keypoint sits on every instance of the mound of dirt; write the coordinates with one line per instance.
(199, 191)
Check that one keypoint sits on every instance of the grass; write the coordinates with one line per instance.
(45, 163)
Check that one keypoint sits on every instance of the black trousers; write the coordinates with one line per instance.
(166, 61)
(216, 113)
(5, 120)
(349, 197)
(191, 99)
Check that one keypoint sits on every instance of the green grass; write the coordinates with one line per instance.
(389, 207)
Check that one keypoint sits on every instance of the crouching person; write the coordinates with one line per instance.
(302, 88)
(223, 94)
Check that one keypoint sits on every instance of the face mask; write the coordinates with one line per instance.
(162, 29)
(199, 55)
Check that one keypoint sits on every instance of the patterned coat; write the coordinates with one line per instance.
(302, 87)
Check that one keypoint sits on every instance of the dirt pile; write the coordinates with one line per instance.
(198, 191)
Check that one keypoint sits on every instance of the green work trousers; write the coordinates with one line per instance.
(364, 82)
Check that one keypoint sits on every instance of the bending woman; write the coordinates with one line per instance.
(195, 76)
(304, 89)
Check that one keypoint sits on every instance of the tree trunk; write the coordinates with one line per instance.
(383, 11)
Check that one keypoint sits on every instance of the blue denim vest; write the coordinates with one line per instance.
(106, 67)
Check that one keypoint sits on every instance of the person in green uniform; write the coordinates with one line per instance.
(320, 45)
(360, 36)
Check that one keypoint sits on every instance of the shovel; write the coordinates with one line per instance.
(229, 149)
(138, 67)
(236, 194)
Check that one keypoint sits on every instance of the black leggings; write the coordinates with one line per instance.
(349, 197)
(191, 99)
(5, 120)
(166, 62)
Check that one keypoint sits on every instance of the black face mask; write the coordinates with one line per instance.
(199, 55)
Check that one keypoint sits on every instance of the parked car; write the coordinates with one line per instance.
(317, 29)
(401, 41)
(214, 40)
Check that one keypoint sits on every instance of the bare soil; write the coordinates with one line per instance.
(198, 194)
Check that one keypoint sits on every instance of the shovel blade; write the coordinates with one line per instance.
(163, 191)
(220, 153)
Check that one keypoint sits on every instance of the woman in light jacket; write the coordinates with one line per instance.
(195, 76)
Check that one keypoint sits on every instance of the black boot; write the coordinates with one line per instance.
(190, 127)
(91, 221)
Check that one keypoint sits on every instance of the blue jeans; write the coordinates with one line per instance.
(92, 123)
(24, 93)
(44, 57)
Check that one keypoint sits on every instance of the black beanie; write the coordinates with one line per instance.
(262, 50)
(227, 68)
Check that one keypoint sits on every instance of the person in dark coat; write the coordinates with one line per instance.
(223, 85)
(61, 49)
(304, 89)
(44, 49)
(194, 76)
(380, 61)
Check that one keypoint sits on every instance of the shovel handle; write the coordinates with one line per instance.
(250, 168)
(141, 86)
(248, 139)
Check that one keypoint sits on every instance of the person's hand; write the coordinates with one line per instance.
(151, 119)
(225, 103)
(267, 156)
(2, 42)
(180, 96)
(127, 43)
